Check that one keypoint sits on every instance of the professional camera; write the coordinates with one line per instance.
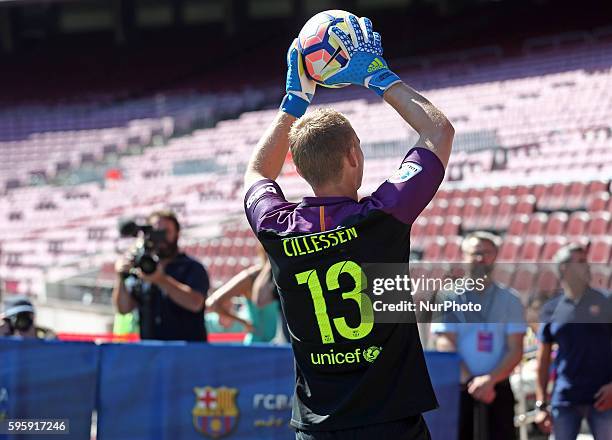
(19, 315)
(21, 321)
(146, 254)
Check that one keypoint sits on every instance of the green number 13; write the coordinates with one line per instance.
(366, 311)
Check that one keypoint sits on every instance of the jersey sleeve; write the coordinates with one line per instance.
(411, 187)
(262, 198)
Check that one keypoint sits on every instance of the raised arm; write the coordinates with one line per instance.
(368, 68)
(435, 130)
(269, 155)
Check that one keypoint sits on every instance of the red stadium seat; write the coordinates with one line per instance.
(555, 197)
(537, 223)
(547, 282)
(417, 232)
(505, 212)
(503, 273)
(551, 246)
(522, 190)
(434, 250)
(505, 191)
(518, 225)
(510, 249)
(600, 250)
(452, 250)
(526, 204)
(456, 207)
(556, 223)
(577, 224)
(434, 226)
(438, 207)
(576, 196)
(488, 213)
(451, 226)
(524, 280)
(599, 202)
(598, 186)
(532, 248)
(601, 223)
(471, 213)
(540, 191)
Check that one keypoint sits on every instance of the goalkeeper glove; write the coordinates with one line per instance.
(300, 89)
(366, 66)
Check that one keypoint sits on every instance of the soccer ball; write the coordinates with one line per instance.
(322, 55)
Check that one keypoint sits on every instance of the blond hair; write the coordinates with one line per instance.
(319, 141)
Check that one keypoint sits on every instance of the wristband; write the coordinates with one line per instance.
(381, 81)
(294, 105)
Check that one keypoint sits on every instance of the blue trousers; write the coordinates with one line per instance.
(567, 421)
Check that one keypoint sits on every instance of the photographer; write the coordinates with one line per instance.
(166, 286)
(18, 319)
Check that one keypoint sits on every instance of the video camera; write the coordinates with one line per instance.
(146, 254)
(22, 322)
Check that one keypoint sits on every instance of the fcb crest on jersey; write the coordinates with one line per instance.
(215, 413)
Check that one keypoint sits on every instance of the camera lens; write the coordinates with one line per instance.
(148, 264)
(23, 321)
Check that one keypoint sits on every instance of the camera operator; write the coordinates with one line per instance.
(169, 293)
(19, 319)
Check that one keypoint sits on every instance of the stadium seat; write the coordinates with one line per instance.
(531, 250)
(576, 196)
(488, 213)
(554, 198)
(434, 250)
(600, 250)
(551, 246)
(434, 226)
(526, 204)
(598, 186)
(471, 213)
(600, 224)
(505, 212)
(577, 224)
(524, 279)
(439, 208)
(452, 249)
(456, 207)
(451, 226)
(518, 225)
(509, 250)
(599, 202)
(503, 273)
(537, 224)
(556, 224)
(547, 282)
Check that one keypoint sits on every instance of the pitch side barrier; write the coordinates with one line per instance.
(159, 390)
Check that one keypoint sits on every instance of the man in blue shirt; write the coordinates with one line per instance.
(580, 322)
(490, 343)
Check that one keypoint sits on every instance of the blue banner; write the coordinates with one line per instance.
(157, 390)
(48, 380)
(444, 369)
(187, 391)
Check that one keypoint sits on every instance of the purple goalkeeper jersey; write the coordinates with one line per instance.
(350, 370)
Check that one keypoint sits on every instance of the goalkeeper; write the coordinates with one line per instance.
(355, 379)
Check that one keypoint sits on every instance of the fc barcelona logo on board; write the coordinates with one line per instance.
(215, 413)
